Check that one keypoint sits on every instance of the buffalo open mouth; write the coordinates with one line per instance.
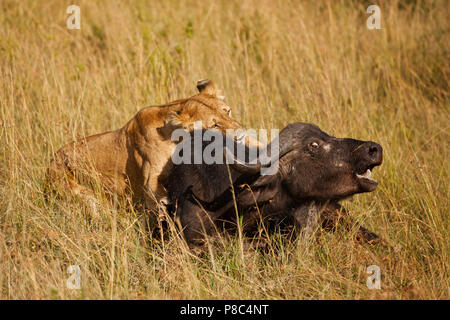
(365, 179)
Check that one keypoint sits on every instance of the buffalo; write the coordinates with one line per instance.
(315, 171)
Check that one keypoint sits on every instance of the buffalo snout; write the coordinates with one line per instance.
(372, 152)
(369, 155)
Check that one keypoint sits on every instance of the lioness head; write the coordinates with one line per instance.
(208, 106)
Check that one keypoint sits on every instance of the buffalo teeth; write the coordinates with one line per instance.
(366, 175)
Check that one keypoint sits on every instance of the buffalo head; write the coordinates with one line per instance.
(314, 165)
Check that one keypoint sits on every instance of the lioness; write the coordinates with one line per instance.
(135, 159)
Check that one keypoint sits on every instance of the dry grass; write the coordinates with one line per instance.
(278, 62)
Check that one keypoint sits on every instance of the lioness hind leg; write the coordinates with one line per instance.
(60, 179)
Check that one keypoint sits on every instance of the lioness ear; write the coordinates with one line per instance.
(206, 86)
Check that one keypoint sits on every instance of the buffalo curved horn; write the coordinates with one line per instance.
(244, 168)
(251, 169)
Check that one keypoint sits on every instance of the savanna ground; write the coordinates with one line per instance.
(277, 62)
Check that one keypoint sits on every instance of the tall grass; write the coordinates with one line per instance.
(277, 62)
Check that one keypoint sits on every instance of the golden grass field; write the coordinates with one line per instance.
(277, 62)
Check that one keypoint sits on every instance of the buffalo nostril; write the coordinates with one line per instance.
(373, 151)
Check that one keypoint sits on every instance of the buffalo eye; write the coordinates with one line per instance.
(314, 145)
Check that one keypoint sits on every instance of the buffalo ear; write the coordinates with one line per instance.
(266, 180)
(206, 86)
(262, 190)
